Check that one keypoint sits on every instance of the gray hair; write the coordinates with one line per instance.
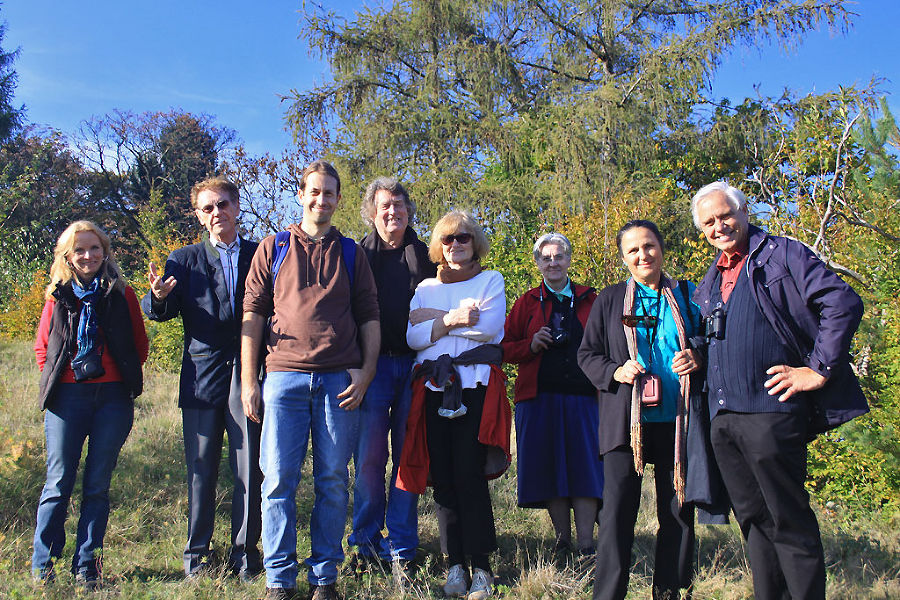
(367, 210)
(733, 196)
(552, 238)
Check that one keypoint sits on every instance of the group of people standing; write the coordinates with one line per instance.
(394, 347)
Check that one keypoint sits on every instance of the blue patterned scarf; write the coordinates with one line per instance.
(87, 319)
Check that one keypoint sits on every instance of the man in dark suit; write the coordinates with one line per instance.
(204, 283)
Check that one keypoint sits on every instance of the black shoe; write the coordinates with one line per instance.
(584, 562)
(87, 581)
(562, 554)
(87, 576)
(204, 569)
(45, 574)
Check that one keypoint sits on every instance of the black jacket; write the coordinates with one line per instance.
(112, 316)
(212, 330)
(603, 350)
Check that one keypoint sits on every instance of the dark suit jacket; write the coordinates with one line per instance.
(212, 330)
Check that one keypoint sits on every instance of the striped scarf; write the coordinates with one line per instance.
(667, 285)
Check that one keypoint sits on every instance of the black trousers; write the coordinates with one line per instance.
(457, 461)
(762, 457)
(673, 567)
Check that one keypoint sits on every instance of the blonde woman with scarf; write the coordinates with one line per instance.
(636, 350)
(90, 347)
(459, 422)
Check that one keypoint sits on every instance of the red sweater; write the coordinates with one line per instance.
(493, 432)
(524, 320)
(109, 365)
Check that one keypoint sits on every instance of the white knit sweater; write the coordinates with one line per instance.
(486, 291)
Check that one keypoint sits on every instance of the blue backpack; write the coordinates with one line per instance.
(283, 242)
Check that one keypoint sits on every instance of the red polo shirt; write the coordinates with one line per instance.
(730, 268)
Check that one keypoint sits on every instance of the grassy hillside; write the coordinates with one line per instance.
(147, 526)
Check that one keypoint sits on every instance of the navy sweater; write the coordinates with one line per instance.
(738, 363)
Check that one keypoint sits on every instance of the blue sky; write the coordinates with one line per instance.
(232, 59)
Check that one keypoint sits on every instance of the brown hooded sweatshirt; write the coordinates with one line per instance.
(315, 316)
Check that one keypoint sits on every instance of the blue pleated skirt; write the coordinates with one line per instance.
(557, 449)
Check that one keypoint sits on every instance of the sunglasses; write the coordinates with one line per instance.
(462, 238)
(221, 205)
(635, 320)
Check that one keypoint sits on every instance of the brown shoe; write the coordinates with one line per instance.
(324, 592)
(280, 594)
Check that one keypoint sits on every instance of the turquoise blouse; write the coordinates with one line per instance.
(664, 345)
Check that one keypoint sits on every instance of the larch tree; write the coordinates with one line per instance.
(517, 106)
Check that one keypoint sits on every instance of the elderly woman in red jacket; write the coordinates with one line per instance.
(559, 464)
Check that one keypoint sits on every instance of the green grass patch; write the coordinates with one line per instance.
(148, 523)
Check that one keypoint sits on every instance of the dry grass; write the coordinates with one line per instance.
(148, 523)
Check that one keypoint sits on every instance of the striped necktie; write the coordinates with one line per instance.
(230, 250)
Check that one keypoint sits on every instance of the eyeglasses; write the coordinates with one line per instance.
(462, 238)
(635, 320)
(221, 205)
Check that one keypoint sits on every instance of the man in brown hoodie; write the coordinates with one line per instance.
(322, 337)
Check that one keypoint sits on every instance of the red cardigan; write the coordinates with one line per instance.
(523, 321)
(493, 432)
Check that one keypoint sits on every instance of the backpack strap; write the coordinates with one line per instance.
(348, 253)
(683, 287)
(282, 244)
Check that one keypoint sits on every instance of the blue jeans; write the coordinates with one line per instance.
(102, 413)
(297, 404)
(384, 411)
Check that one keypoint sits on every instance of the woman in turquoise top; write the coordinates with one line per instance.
(636, 351)
(657, 344)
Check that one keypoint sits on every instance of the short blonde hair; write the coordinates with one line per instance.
(457, 221)
(61, 270)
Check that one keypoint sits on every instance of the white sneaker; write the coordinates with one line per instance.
(456, 582)
(481, 585)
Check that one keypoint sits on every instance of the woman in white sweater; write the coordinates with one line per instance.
(456, 325)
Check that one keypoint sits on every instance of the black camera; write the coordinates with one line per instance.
(560, 337)
(715, 324)
(88, 367)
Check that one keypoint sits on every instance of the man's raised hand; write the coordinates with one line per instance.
(159, 287)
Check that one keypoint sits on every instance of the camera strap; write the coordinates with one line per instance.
(564, 319)
(651, 334)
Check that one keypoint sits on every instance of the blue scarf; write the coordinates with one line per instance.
(87, 319)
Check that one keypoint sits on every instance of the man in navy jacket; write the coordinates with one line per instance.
(779, 325)
(204, 283)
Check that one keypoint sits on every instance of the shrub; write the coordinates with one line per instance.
(21, 315)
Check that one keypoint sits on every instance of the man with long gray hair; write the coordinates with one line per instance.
(399, 262)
